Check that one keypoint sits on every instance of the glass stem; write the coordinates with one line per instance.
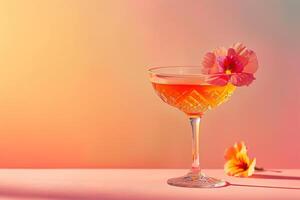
(195, 122)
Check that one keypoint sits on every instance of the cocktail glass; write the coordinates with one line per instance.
(194, 93)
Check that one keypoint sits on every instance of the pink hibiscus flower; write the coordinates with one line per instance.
(236, 65)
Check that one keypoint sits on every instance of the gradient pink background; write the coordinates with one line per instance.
(75, 91)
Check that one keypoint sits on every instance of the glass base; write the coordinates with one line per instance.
(196, 180)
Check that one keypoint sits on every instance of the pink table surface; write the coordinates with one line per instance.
(145, 184)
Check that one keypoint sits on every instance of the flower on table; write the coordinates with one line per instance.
(238, 162)
(235, 65)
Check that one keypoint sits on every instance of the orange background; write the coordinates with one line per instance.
(75, 93)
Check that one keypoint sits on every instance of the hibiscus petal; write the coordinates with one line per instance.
(239, 48)
(252, 64)
(243, 158)
(243, 173)
(209, 63)
(242, 61)
(232, 167)
(239, 64)
(231, 52)
(250, 170)
(218, 79)
(251, 167)
(248, 56)
(229, 153)
(240, 147)
(220, 62)
(221, 51)
(241, 79)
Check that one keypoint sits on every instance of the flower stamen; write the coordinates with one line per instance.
(228, 71)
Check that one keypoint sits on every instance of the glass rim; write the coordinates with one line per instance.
(152, 70)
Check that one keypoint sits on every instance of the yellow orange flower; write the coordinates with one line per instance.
(238, 162)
